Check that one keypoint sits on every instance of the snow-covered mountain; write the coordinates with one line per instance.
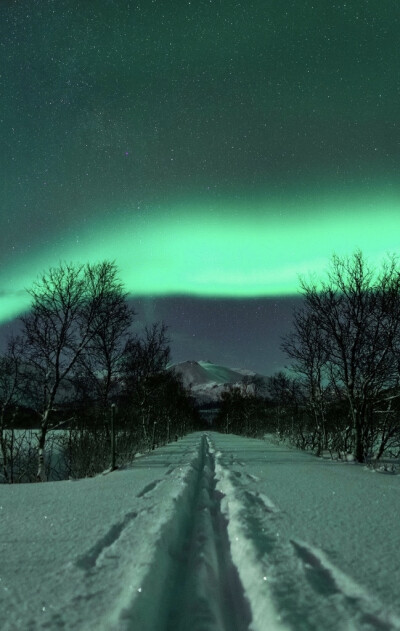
(207, 380)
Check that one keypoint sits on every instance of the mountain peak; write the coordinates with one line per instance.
(207, 380)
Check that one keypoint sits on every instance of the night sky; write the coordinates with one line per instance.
(215, 149)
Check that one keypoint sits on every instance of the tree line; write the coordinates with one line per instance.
(76, 365)
(341, 392)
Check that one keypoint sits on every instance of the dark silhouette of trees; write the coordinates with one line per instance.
(69, 304)
(342, 392)
(346, 343)
(285, 398)
(145, 362)
(97, 374)
(308, 346)
(77, 366)
(10, 392)
(244, 408)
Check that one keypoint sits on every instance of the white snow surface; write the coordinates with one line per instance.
(211, 533)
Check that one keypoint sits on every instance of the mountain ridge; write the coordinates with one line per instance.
(207, 380)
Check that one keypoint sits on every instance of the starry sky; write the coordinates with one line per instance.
(216, 149)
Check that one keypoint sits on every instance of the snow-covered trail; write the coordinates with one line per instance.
(317, 554)
(200, 588)
(214, 533)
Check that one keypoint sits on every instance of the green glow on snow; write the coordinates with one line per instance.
(221, 249)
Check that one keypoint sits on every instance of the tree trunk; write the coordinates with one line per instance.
(144, 427)
(112, 424)
(359, 447)
(12, 437)
(41, 472)
(3, 443)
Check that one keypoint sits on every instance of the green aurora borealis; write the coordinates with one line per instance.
(231, 250)
(214, 149)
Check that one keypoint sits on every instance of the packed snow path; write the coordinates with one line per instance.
(213, 533)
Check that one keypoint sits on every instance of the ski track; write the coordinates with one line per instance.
(193, 581)
(221, 562)
(90, 558)
(307, 591)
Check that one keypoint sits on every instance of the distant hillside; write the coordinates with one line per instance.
(207, 380)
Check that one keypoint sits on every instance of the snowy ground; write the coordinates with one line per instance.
(214, 533)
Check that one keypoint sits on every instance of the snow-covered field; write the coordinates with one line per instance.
(213, 533)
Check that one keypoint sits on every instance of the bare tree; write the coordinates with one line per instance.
(285, 395)
(68, 306)
(308, 346)
(145, 359)
(101, 362)
(10, 383)
(355, 316)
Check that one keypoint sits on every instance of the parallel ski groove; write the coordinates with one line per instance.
(193, 580)
(297, 573)
(213, 596)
